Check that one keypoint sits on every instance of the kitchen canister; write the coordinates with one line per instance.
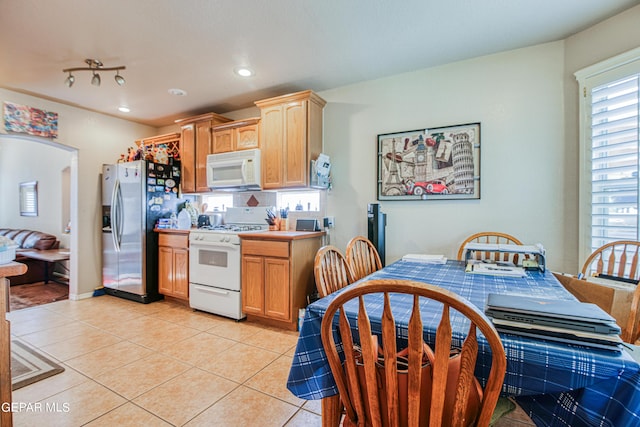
(184, 220)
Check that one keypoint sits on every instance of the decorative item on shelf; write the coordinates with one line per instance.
(160, 154)
(94, 65)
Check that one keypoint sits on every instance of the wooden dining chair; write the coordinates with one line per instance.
(619, 259)
(362, 257)
(331, 270)
(356, 396)
(491, 237)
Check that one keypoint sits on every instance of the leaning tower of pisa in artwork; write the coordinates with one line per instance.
(462, 156)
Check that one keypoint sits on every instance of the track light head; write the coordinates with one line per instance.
(119, 79)
(94, 66)
(69, 80)
(95, 80)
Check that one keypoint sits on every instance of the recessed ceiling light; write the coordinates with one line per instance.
(178, 92)
(124, 109)
(244, 72)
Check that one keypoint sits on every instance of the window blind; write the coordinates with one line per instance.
(614, 161)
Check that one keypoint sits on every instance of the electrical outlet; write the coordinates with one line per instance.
(330, 221)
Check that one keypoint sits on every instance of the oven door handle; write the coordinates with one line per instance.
(211, 290)
(209, 245)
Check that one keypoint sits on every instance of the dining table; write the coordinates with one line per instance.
(556, 383)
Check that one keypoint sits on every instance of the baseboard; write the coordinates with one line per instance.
(77, 297)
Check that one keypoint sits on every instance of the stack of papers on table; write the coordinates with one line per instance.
(429, 259)
(495, 269)
(566, 321)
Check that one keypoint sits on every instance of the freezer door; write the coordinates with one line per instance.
(109, 254)
(131, 227)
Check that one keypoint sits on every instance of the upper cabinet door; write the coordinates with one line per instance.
(203, 149)
(222, 141)
(290, 137)
(272, 147)
(247, 137)
(188, 159)
(295, 144)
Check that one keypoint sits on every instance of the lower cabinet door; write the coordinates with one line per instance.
(277, 300)
(165, 272)
(253, 284)
(181, 273)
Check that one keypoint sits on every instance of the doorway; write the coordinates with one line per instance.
(54, 165)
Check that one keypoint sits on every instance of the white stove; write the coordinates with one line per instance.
(224, 233)
(214, 262)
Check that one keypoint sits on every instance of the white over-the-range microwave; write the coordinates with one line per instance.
(235, 170)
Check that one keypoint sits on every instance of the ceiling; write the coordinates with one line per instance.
(292, 45)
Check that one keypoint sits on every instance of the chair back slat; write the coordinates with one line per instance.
(369, 358)
(468, 358)
(355, 405)
(440, 368)
(390, 365)
(415, 342)
(623, 262)
(634, 263)
(362, 257)
(611, 262)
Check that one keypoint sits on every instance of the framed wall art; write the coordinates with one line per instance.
(430, 164)
(32, 121)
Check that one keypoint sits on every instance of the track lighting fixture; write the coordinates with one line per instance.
(94, 66)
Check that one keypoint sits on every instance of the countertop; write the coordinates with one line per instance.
(12, 269)
(281, 235)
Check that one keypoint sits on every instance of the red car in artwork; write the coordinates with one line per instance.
(430, 187)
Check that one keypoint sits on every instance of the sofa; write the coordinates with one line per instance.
(30, 240)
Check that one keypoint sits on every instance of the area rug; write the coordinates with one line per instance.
(28, 365)
(32, 294)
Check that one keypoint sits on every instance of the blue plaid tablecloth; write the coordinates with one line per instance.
(557, 384)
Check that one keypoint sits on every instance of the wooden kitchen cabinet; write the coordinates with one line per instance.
(237, 135)
(291, 136)
(277, 275)
(173, 264)
(195, 146)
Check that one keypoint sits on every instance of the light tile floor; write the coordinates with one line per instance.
(161, 364)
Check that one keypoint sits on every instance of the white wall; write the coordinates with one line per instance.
(517, 97)
(98, 139)
(45, 165)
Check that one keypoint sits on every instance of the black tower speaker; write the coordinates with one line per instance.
(376, 222)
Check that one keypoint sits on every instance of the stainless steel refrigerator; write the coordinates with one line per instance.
(134, 196)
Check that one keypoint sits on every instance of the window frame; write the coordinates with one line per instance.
(610, 70)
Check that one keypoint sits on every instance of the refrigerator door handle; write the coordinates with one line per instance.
(120, 216)
(115, 208)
